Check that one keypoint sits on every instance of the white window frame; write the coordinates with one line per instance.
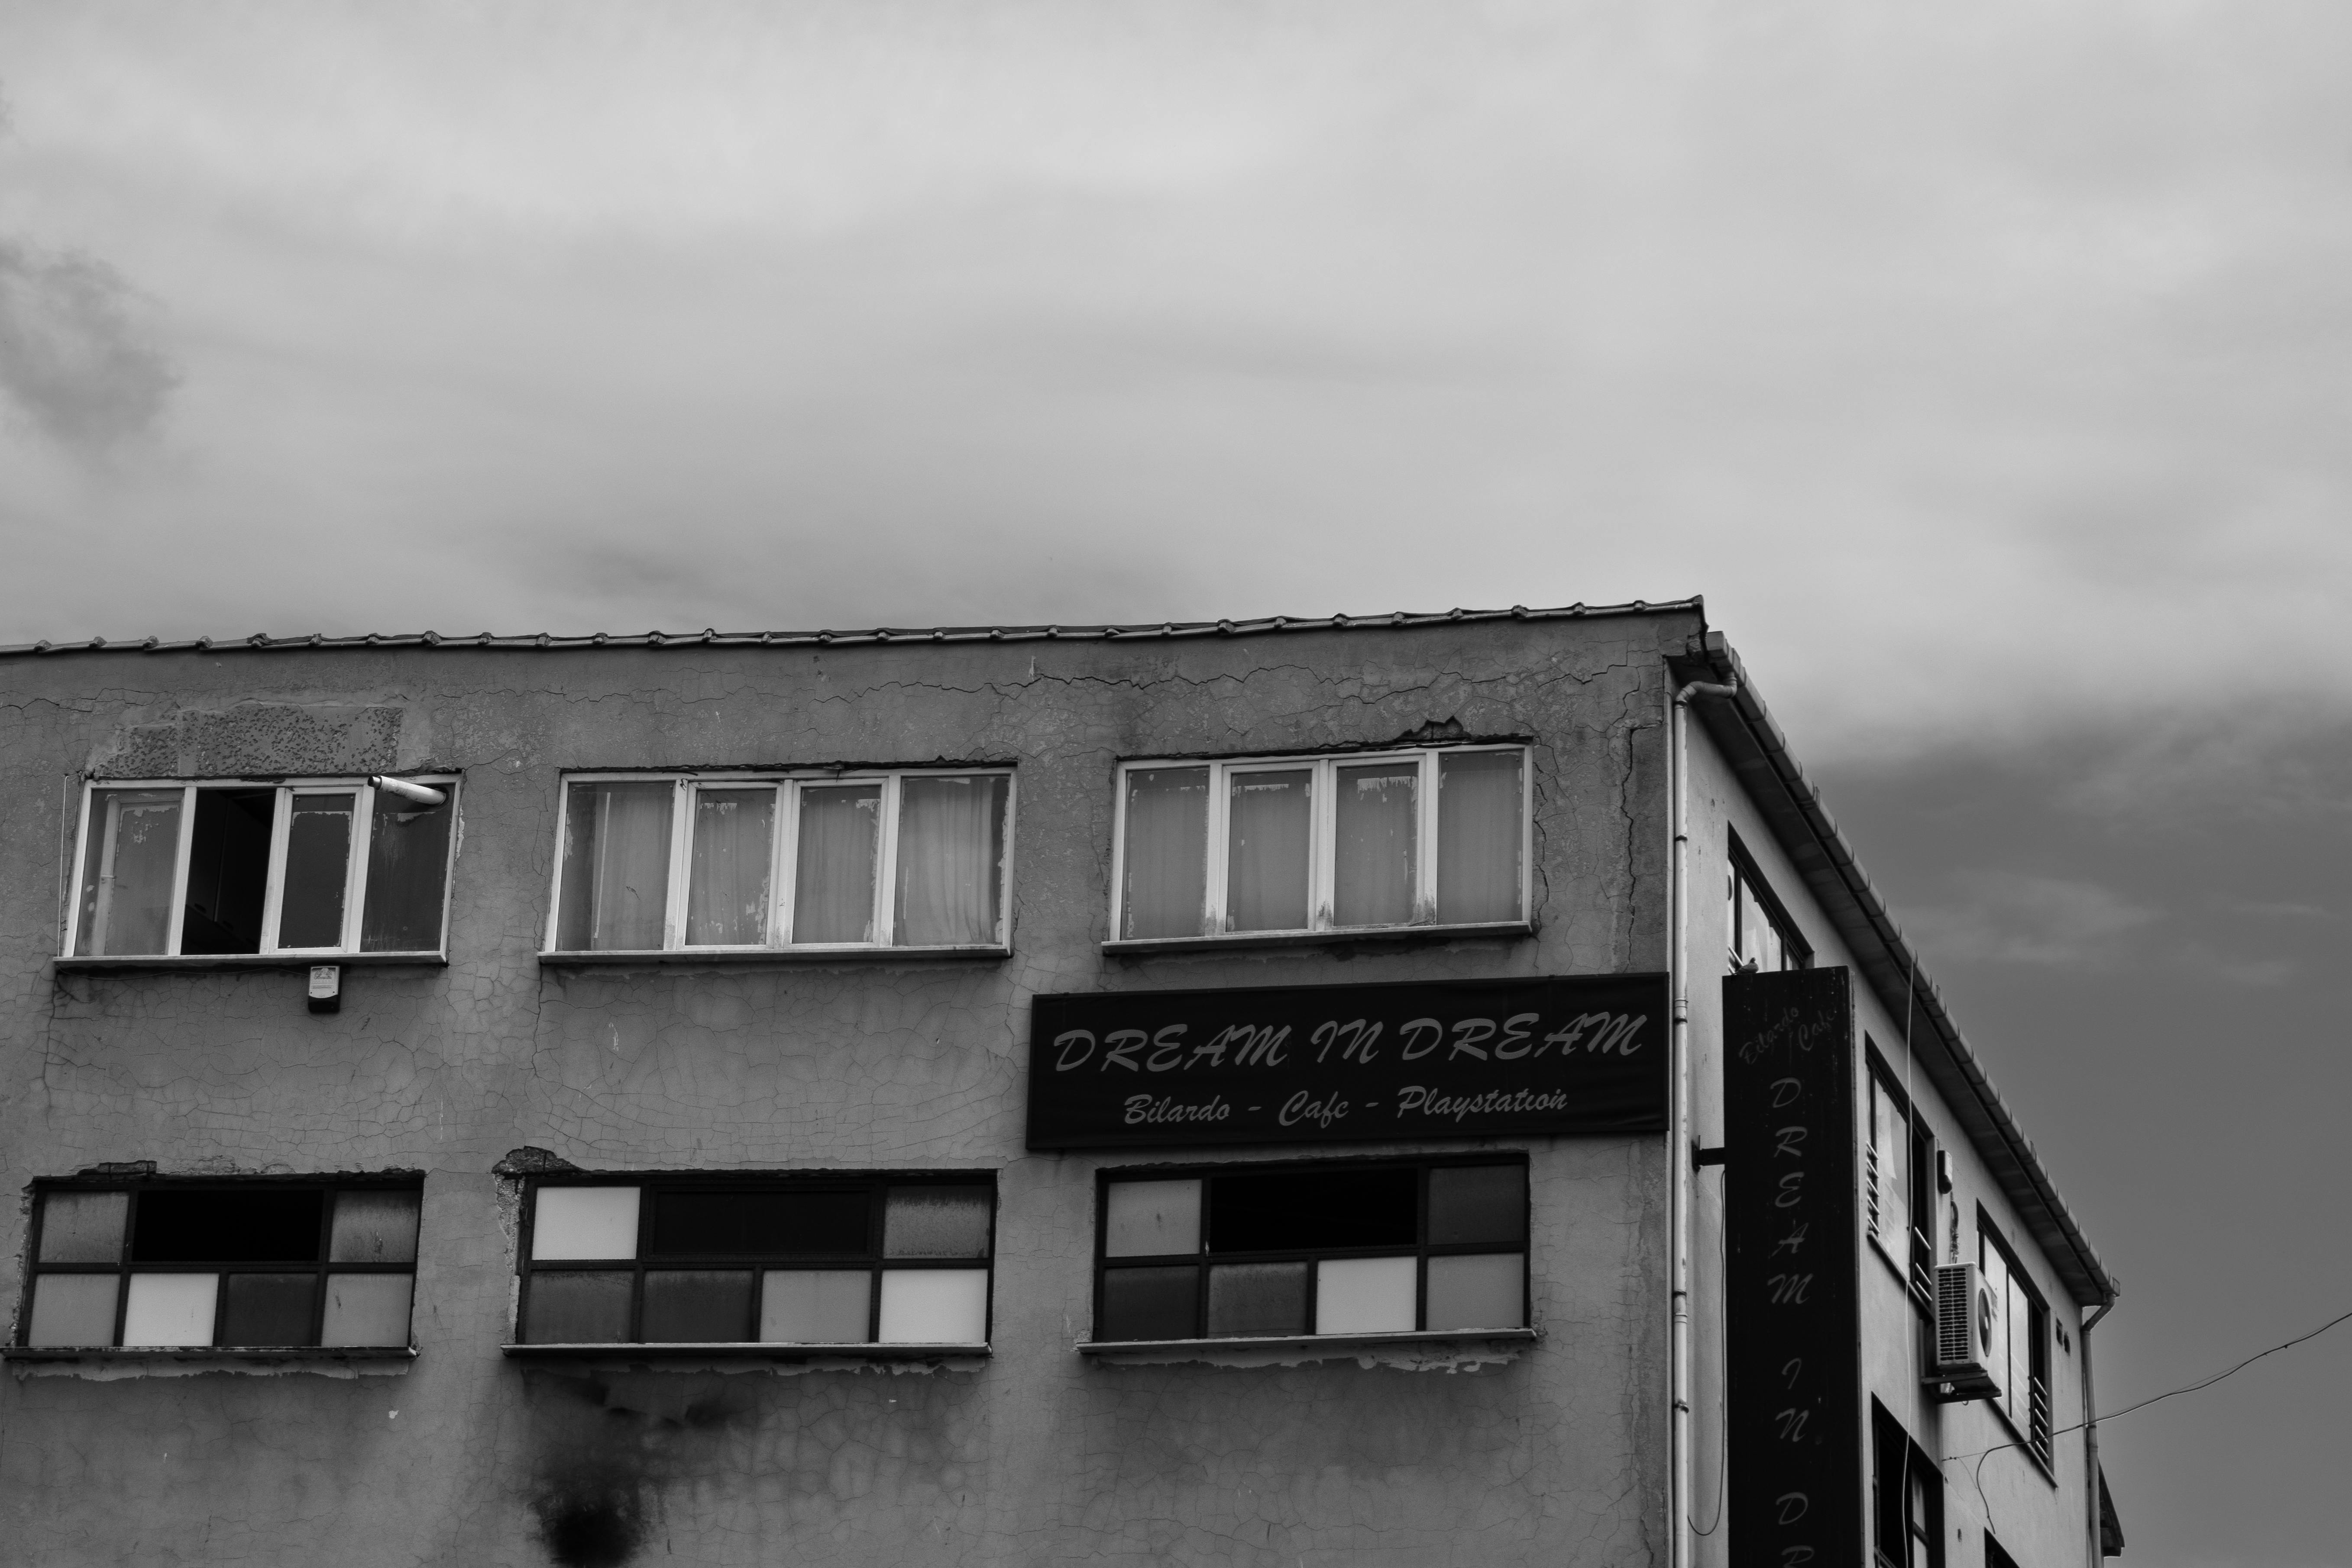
(272, 906)
(785, 850)
(1323, 799)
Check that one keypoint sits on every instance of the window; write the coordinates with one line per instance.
(2021, 1356)
(1330, 1248)
(323, 866)
(173, 1264)
(1900, 1182)
(814, 1260)
(1762, 935)
(846, 860)
(1297, 844)
(1906, 1496)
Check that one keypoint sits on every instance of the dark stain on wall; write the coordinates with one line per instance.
(607, 1446)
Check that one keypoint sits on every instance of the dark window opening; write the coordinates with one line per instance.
(228, 870)
(1758, 930)
(1907, 1498)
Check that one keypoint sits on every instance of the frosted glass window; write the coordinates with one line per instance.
(728, 885)
(170, 1310)
(367, 1309)
(936, 1222)
(129, 863)
(1479, 796)
(1153, 1303)
(318, 867)
(1152, 1219)
(1365, 1295)
(373, 1228)
(815, 1306)
(83, 1227)
(616, 867)
(584, 1223)
(697, 1305)
(73, 1309)
(1477, 1290)
(1165, 859)
(1376, 862)
(577, 1307)
(1257, 1298)
(934, 1305)
(1474, 1204)
(270, 1310)
(833, 879)
(950, 860)
(1270, 834)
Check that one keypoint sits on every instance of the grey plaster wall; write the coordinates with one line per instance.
(1034, 1456)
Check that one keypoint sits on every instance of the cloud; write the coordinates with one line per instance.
(2016, 917)
(73, 356)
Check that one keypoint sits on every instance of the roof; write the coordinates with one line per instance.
(1743, 727)
(711, 636)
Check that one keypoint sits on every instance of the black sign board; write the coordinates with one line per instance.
(1794, 1335)
(1332, 1064)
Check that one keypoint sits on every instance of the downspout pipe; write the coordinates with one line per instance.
(2094, 1553)
(1679, 1143)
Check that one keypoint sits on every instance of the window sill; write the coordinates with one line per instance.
(748, 1351)
(1385, 934)
(258, 961)
(738, 955)
(1447, 1347)
(166, 1360)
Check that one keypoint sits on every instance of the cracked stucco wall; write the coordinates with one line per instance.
(1035, 1456)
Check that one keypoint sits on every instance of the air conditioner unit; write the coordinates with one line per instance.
(1968, 1331)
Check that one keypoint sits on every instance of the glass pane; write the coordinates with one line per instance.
(318, 865)
(727, 893)
(367, 1309)
(373, 1227)
(584, 1223)
(833, 882)
(950, 860)
(616, 867)
(583, 1308)
(1160, 1303)
(1290, 1212)
(83, 1227)
(128, 862)
(1270, 824)
(1478, 813)
(698, 1306)
(170, 1310)
(1364, 1295)
(1480, 1291)
(936, 1222)
(408, 868)
(1166, 862)
(815, 1306)
(1147, 1219)
(761, 1224)
(1257, 1298)
(1474, 1204)
(1374, 866)
(253, 1225)
(934, 1305)
(269, 1310)
(228, 870)
(73, 1309)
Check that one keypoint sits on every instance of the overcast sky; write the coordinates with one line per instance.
(1988, 368)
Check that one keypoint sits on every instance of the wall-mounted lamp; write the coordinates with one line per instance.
(418, 793)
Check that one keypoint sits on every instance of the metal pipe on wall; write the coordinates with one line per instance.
(2096, 1555)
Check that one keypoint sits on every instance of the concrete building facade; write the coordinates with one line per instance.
(1226, 1093)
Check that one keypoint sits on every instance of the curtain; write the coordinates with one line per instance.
(1167, 852)
(733, 855)
(950, 860)
(1269, 825)
(128, 867)
(1372, 873)
(1479, 811)
(1890, 1140)
(833, 885)
(615, 868)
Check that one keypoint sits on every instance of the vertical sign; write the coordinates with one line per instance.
(1793, 1328)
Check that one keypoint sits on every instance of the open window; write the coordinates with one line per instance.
(1906, 1497)
(1335, 1248)
(322, 866)
(261, 1265)
(1301, 845)
(774, 1263)
(2020, 1352)
(736, 863)
(1762, 935)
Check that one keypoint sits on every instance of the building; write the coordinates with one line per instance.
(1210, 1093)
